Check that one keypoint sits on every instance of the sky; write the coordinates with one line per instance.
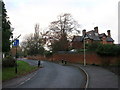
(24, 14)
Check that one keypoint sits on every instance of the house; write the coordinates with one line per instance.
(92, 36)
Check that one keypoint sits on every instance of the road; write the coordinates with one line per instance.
(54, 75)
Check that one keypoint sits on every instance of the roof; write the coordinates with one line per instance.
(101, 35)
(93, 36)
(109, 39)
(77, 38)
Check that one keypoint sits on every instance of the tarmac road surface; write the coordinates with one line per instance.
(54, 75)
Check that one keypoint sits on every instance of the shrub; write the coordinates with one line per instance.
(93, 46)
(48, 53)
(8, 62)
(108, 50)
(81, 50)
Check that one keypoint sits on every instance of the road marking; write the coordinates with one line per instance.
(86, 86)
(21, 83)
(27, 79)
(87, 76)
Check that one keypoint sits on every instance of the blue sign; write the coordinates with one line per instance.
(16, 43)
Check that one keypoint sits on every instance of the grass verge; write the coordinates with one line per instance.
(23, 68)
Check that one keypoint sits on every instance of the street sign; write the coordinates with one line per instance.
(16, 42)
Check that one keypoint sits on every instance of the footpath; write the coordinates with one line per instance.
(100, 77)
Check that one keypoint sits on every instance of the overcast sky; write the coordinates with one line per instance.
(24, 14)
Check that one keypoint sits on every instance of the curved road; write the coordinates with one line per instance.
(53, 75)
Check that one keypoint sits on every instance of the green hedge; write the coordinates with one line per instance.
(48, 53)
(8, 62)
(108, 50)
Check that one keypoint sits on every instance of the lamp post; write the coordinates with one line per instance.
(84, 51)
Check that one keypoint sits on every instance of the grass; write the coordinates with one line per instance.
(23, 68)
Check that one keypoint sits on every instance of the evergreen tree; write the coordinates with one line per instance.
(6, 30)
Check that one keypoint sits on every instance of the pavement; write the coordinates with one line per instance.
(100, 77)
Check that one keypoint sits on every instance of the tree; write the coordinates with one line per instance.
(62, 28)
(60, 45)
(6, 30)
(34, 43)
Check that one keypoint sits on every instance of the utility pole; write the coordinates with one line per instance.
(84, 51)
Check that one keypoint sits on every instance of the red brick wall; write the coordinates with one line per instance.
(88, 41)
(77, 45)
(109, 42)
(91, 58)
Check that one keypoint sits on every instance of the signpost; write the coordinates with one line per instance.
(16, 43)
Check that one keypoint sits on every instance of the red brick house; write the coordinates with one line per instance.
(92, 36)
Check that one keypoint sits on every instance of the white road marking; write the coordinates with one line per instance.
(26, 80)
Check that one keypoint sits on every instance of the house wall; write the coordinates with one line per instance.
(109, 42)
(105, 42)
(77, 45)
(88, 41)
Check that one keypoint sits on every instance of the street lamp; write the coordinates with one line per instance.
(84, 51)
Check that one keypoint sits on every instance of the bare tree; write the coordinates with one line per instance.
(64, 24)
(34, 43)
(63, 27)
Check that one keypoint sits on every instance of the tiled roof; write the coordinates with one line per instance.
(109, 39)
(77, 38)
(101, 35)
(93, 36)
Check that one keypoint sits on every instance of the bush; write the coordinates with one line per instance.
(108, 50)
(81, 50)
(8, 62)
(48, 53)
(93, 46)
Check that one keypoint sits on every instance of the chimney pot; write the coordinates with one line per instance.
(84, 32)
(96, 29)
(109, 34)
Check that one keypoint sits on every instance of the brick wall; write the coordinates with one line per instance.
(77, 45)
(91, 58)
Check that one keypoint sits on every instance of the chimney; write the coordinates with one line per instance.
(108, 31)
(84, 32)
(96, 29)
